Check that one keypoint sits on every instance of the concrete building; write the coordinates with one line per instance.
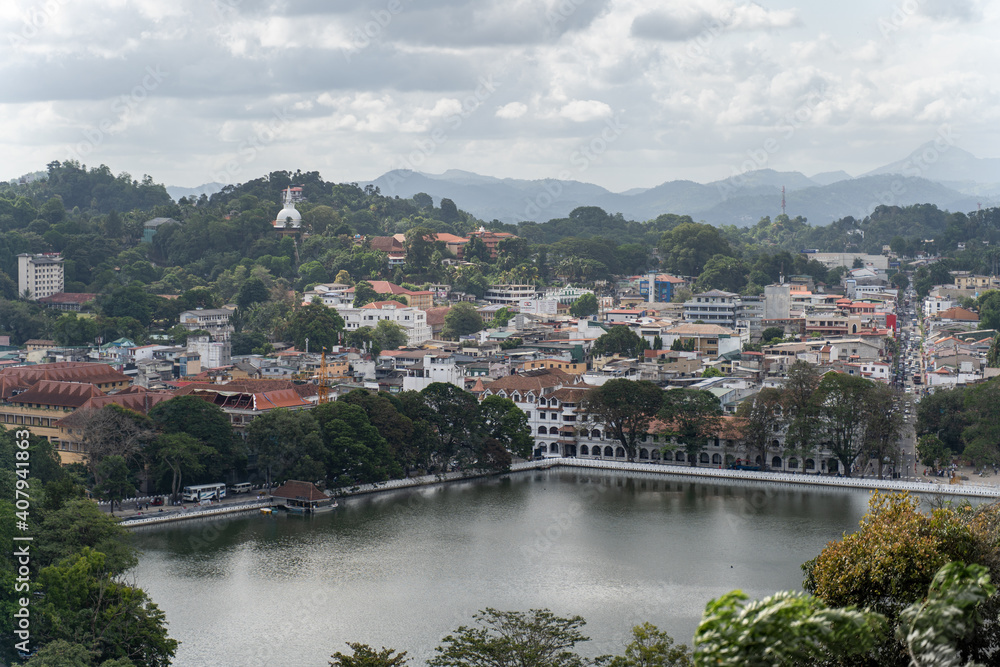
(413, 320)
(712, 307)
(40, 275)
(510, 294)
(777, 302)
(213, 320)
(212, 354)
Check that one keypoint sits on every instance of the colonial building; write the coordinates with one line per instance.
(213, 320)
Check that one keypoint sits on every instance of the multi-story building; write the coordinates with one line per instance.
(711, 340)
(213, 354)
(213, 320)
(491, 239)
(413, 320)
(510, 294)
(712, 307)
(422, 299)
(750, 313)
(40, 276)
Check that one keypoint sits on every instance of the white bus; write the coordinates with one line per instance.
(194, 494)
(242, 487)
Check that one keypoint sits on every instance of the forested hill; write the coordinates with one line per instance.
(95, 219)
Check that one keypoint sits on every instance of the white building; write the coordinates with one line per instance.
(213, 354)
(935, 304)
(40, 275)
(413, 320)
(288, 217)
(213, 320)
(712, 307)
(510, 294)
(434, 367)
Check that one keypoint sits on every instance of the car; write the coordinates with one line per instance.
(157, 501)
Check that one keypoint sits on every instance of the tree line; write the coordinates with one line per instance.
(855, 419)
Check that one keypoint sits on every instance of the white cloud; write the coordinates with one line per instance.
(512, 110)
(580, 111)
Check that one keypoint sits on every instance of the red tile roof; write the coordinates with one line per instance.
(68, 297)
(296, 490)
(57, 394)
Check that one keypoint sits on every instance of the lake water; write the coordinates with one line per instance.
(404, 568)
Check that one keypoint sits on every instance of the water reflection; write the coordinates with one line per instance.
(404, 568)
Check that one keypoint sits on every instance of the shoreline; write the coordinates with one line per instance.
(658, 469)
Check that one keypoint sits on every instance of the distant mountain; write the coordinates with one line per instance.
(951, 179)
(943, 163)
(209, 189)
(830, 177)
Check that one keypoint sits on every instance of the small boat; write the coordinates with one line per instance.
(267, 510)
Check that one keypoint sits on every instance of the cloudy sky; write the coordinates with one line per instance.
(622, 93)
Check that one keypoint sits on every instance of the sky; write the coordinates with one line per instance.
(621, 93)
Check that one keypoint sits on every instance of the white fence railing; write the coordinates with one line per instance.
(964, 489)
(198, 513)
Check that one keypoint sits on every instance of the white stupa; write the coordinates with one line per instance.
(288, 217)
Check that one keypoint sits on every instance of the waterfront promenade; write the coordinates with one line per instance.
(933, 485)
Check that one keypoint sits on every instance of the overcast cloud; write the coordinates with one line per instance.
(195, 91)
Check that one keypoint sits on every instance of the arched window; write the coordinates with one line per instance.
(620, 453)
(609, 453)
(553, 448)
(542, 430)
(655, 454)
(793, 463)
(716, 459)
(643, 453)
(810, 464)
(679, 456)
(595, 434)
(703, 458)
(584, 450)
(776, 462)
(668, 456)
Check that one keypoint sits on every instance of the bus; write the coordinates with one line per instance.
(242, 487)
(194, 494)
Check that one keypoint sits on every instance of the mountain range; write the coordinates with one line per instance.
(943, 175)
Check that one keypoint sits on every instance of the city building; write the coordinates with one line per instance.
(212, 354)
(413, 320)
(213, 320)
(712, 307)
(510, 294)
(39, 276)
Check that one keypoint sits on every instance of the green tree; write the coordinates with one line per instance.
(883, 425)
(79, 523)
(651, 647)
(513, 639)
(252, 291)
(508, 424)
(783, 629)
(584, 306)
(206, 423)
(943, 414)
(72, 330)
(363, 655)
(760, 423)
(981, 437)
(843, 423)
(724, 273)
(280, 437)
(989, 310)
(84, 604)
(800, 407)
(770, 334)
(321, 325)
(364, 294)
(117, 482)
(461, 320)
(621, 340)
(691, 416)
(932, 451)
(389, 335)
(711, 372)
(687, 247)
(625, 409)
(355, 452)
(179, 453)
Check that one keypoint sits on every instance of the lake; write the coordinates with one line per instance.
(404, 568)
